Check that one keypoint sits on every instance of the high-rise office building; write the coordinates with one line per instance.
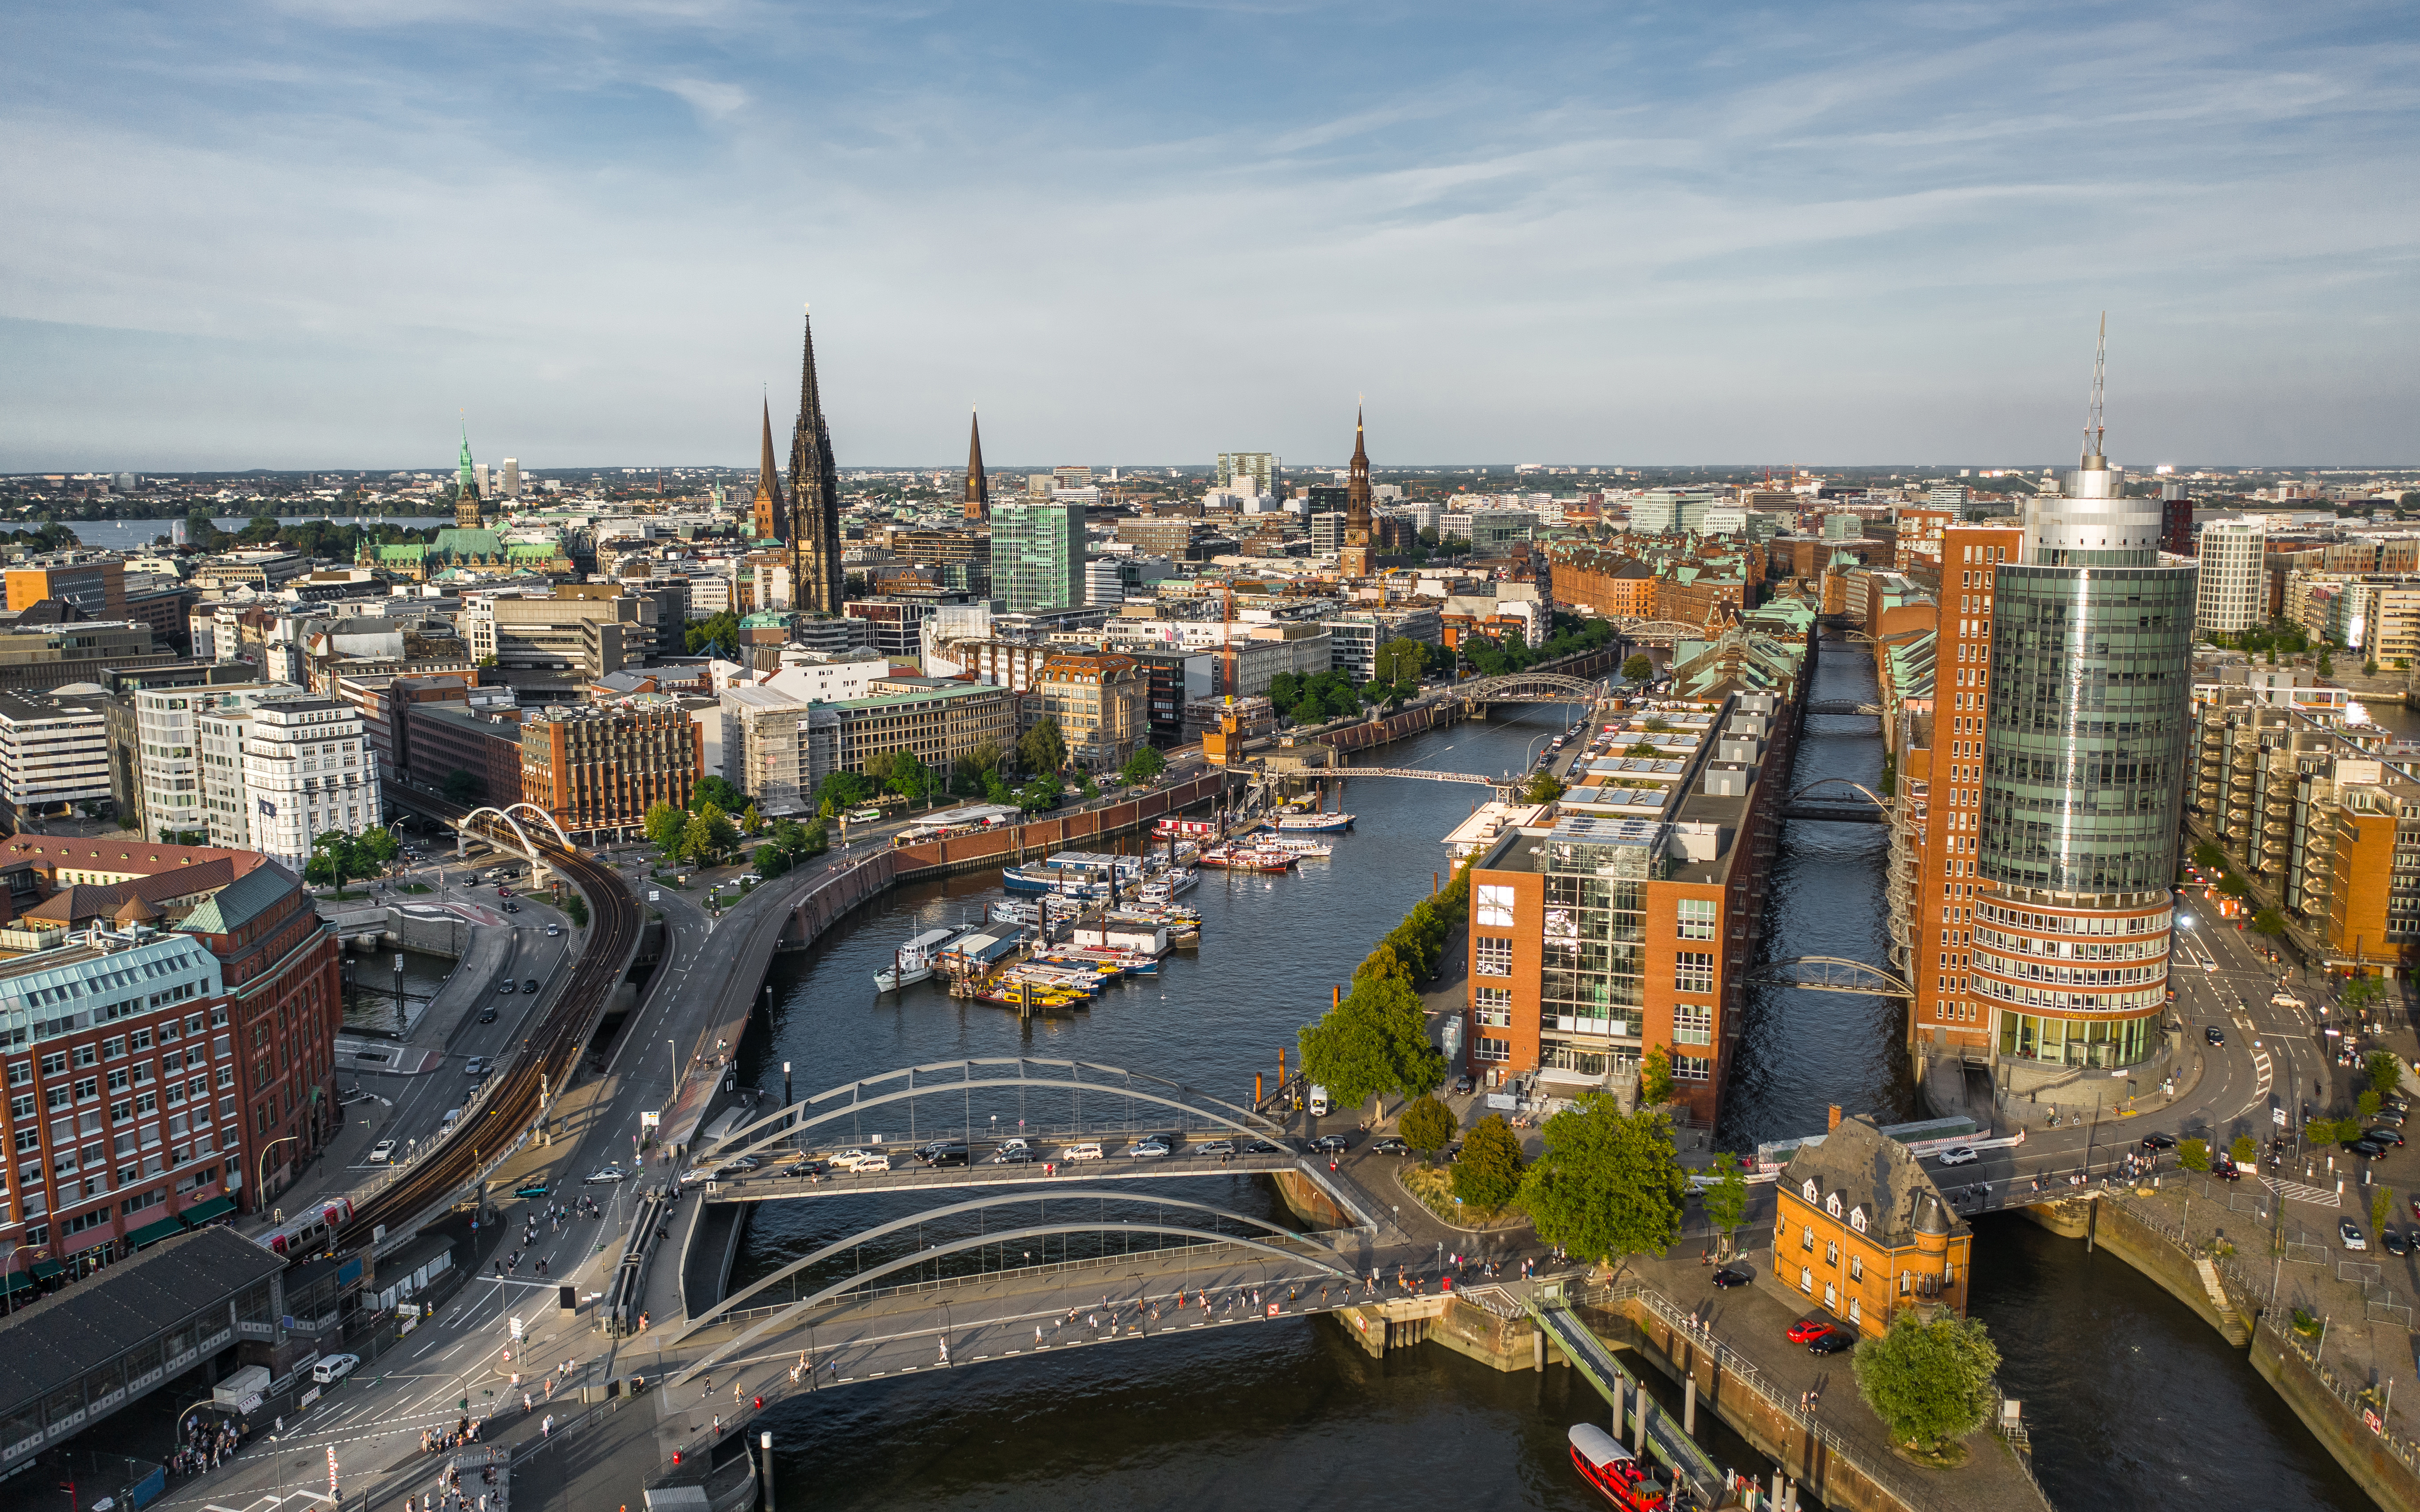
(2234, 591)
(814, 498)
(1261, 467)
(512, 478)
(1037, 554)
(2084, 744)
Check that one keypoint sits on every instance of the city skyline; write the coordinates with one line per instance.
(1526, 235)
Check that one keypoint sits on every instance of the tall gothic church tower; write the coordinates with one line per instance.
(978, 489)
(764, 514)
(816, 584)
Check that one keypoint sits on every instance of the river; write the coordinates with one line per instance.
(2134, 1403)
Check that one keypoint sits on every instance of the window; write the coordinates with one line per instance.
(1831, 1295)
(114, 1047)
(1693, 971)
(1831, 1254)
(1493, 1007)
(1813, 1195)
(1693, 1024)
(89, 1087)
(1495, 908)
(1691, 1069)
(1493, 1049)
(19, 1073)
(117, 1079)
(1856, 1311)
(55, 1063)
(1807, 1280)
(1832, 1204)
(1696, 918)
(1857, 1218)
(1857, 1265)
(1490, 956)
(1807, 1238)
(87, 1055)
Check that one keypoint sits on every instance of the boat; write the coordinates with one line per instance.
(912, 962)
(1627, 1481)
(1014, 911)
(1314, 824)
(1247, 858)
(1185, 829)
(1308, 850)
(1168, 886)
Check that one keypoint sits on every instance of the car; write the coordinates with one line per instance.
(2224, 1169)
(532, 1189)
(1334, 1144)
(488, 1014)
(2156, 1140)
(862, 816)
(1216, 1147)
(503, 892)
(606, 1174)
(1731, 1275)
(2214, 1033)
(529, 986)
(475, 1065)
(2395, 1240)
(511, 907)
(507, 985)
(1020, 1156)
(1259, 1146)
(554, 929)
(2351, 1233)
(1959, 1155)
(334, 1368)
(2391, 1117)
(1462, 1083)
(1391, 1145)
(2364, 1147)
(1146, 1148)
(383, 1151)
(861, 1162)
(1807, 1331)
(1088, 1150)
(945, 1155)
(1838, 1341)
(2384, 1135)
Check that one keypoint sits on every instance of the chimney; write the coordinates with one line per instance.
(1835, 1124)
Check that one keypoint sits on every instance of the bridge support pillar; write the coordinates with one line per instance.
(1689, 1403)
(1538, 1351)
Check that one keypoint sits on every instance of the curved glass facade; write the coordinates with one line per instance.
(2085, 737)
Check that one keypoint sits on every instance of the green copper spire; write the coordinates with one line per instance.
(469, 485)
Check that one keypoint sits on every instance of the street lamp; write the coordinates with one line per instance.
(9, 1265)
(260, 1175)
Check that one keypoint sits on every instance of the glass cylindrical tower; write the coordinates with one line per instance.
(2084, 776)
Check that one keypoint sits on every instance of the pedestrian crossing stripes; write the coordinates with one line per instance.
(2317, 1197)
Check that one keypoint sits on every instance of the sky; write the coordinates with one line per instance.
(322, 233)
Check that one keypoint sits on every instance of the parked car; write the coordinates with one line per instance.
(2351, 1233)
(2395, 1240)
(1391, 1145)
(1836, 1342)
(1731, 1275)
(383, 1151)
(1462, 1083)
(2156, 1140)
(1807, 1331)
(1959, 1155)
(2384, 1135)
(475, 1065)
(1145, 1149)
(2224, 1169)
(334, 1368)
(2214, 1033)
(606, 1174)
(2364, 1148)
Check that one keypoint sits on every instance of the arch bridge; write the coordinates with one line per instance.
(1529, 687)
(1831, 974)
(529, 848)
(1862, 804)
(1659, 632)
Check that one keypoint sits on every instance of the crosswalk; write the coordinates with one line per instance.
(2317, 1197)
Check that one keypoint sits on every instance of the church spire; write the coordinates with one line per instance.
(816, 585)
(1353, 560)
(466, 487)
(764, 514)
(978, 486)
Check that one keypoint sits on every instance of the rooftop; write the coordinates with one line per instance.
(50, 1345)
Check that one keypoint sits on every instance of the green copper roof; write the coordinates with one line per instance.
(468, 485)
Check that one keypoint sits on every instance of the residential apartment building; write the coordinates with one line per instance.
(307, 769)
(599, 770)
(2233, 592)
(53, 753)
(170, 792)
(1354, 638)
(1099, 702)
(776, 747)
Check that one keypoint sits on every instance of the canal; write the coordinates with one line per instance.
(2134, 1403)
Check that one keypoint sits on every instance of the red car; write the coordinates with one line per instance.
(1807, 1329)
(503, 892)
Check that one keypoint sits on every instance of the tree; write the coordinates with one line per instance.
(1488, 1175)
(1309, 711)
(771, 860)
(665, 827)
(2208, 857)
(2194, 1155)
(2232, 886)
(1655, 1077)
(1726, 1200)
(908, 777)
(1638, 669)
(2381, 1207)
(2366, 1104)
(2362, 994)
(2244, 1150)
(1375, 1041)
(1144, 765)
(1040, 796)
(982, 760)
(708, 833)
(1428, 1125)
(1930, 1381)
(575, 908)
(2269, 922)
(461, 788)
(2384, 1069)
(717, 634)
(1043, 748)
(750, 822)
(379, 844)
(334, 857)
(1644, 750)
(1542, 787)
(1608, 1183)
(720, 792)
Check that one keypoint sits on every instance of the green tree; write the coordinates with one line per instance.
(1655, 1077)
(1542, 787)
(1488, 1175)
(2194, 1155)
(982, 758)
(771, 860)
(2384, 1069)
(2381, 1207)
(2232, 886)
(1040, 796)
(1638, 668)
(1043, 748)
(379, 844)
(1144, 765)
(1375, 1041)
(575, 908)
(909, 778)
(2269, 922)
(334, 857)
(2366, 1103)
(461, 788)
(716, 635)
(1726, 1200)
(1930, 1381)
(751, 821)
(1309, 711)
(1608, 1183)
(2244, 1150)
(1285, 689)
(2208, 857)
(996, 789)
(2363, 993)
(1428, 1125)
(1644, 749)
(720, 792)
(665, 826)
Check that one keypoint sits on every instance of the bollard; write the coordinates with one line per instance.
(1776, 1497)
(765, 1442)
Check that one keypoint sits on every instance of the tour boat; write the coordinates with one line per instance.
(1627, 1481)
(1308, 850)
(912, 962)
(1314, 824)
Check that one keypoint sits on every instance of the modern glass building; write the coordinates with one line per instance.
(1037, 554)
(2086, 740)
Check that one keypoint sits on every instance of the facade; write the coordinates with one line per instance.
(1861, 1230)
(818, 582)
(1037, 554)
(1101, 705)
(2233, 592)
(448, 737)
(168, 754)
(53, 751)
(771, 750)
(1666, 512)
(97, 589)
(307, 769)
(600, 769)
(938, 723)
(39, 657)
(1261, 468)
(552, 648)
(895, 626)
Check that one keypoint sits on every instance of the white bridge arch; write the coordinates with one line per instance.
(504, 815)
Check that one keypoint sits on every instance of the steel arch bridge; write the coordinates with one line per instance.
(1859, 788)
(1042, 1198)
(1013, 1073)
(788, 1317)
(1831, 974)
(1529, 687)
(1658, 632)
(504, 816)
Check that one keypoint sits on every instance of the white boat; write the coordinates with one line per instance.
(912, 962)
(1309, 850)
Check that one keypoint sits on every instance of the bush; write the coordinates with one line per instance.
(1428, 1125)
(575, 908)
(2244, 1150)
(2194, 1155)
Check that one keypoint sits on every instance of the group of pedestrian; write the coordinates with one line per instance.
(208, 1443)
(465, 1431)
(451, 1495)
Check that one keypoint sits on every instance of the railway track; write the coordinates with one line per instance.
(545, 1060)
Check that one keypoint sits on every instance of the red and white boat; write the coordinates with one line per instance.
(1185, 829)
(1627, 1481)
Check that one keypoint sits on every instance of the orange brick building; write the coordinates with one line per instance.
(599, 769)
(1860, 1230)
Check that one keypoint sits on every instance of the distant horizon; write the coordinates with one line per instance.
(385, 473)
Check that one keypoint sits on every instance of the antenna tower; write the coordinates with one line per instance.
(2092, 415)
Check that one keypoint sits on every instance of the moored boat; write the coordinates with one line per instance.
(1627, 1481)
(1314, 824)
(912, 962)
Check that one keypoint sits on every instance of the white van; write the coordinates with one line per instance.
(1318, 1102)
(860, 1161)
(1083, 1152)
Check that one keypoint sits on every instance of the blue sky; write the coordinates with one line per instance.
(305, 232)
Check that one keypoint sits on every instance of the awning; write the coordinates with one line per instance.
(195, 1217)
(153, 1233)
(1560, 1077)
(18, 1281)
(44, 1269)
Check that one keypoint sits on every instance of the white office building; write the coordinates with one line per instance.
(2234, 591)
(168, 755)
(306, 769)
(54, 750)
